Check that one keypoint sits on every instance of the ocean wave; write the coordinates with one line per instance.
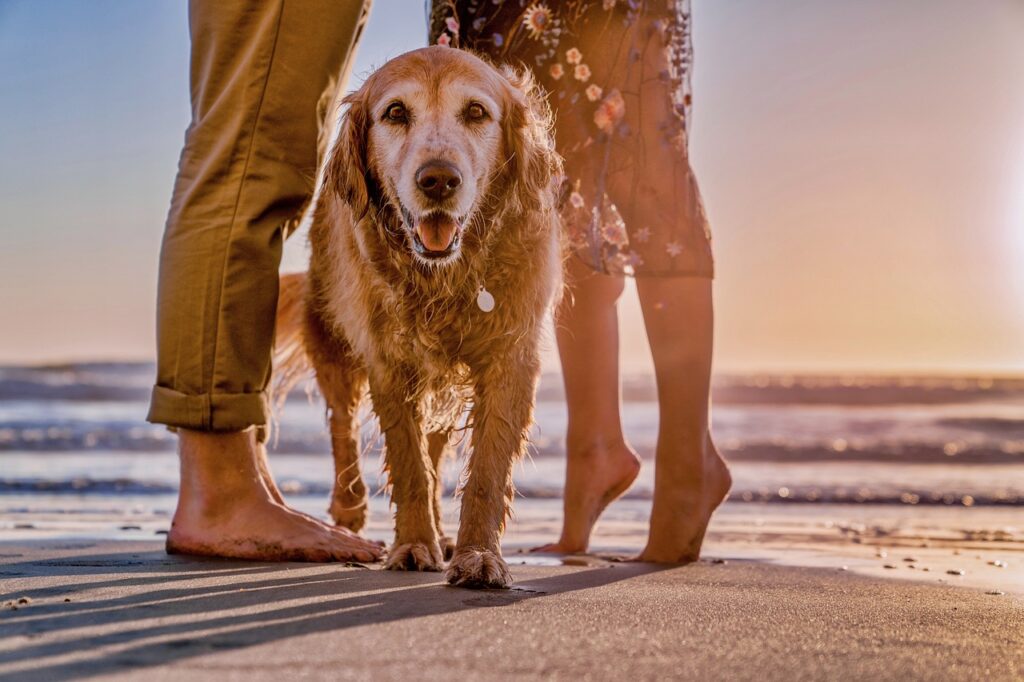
(805, 494)
(98, 382)
(130, 437)
(84, 486)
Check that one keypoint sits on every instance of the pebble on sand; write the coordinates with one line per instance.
(998, 563)
(955, 571)
(888, 566)
(996, 593)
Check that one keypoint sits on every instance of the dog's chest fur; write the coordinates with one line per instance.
(391, 311)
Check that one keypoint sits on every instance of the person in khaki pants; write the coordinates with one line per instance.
(247, 168)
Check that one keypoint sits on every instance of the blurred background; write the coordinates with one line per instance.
(863, 168)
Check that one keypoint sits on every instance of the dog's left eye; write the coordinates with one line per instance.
(475, 112)
(396, 113)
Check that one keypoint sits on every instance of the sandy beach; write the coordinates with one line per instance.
(126, 610)
(780, 594)
(878, 535)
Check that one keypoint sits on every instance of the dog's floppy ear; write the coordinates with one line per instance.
(532, 163)
(346, 169)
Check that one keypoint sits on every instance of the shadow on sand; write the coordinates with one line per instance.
(202, 598)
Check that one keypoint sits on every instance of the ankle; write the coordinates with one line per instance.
(593, 446)
(218, 470)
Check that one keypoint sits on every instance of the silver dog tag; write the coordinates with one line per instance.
(484, 300)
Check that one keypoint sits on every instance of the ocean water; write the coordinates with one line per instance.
(78, 433)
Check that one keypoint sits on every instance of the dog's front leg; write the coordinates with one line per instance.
(502, 414)
(410, 473)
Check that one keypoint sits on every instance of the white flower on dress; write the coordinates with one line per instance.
(594, 92)
(576, 199)
(573, 56)
(674, 249)
(582, 72)
(556, 71)
(642, 235)
(453, 24)
(537, 19)
(444, 39)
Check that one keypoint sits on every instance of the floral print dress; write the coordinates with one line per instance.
(617, 74)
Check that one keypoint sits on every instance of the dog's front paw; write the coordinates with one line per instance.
(478, 568)
(348, 512)
(415, 556)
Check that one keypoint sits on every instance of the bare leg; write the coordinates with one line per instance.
(226, 509)
(600, 465)
(691, 479)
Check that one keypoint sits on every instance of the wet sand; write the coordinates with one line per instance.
(125, 610)
(979, 547)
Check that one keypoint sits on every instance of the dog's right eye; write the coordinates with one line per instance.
(396, 113)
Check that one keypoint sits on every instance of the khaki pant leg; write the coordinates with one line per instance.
(257, 71)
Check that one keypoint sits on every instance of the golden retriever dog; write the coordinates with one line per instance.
(435, 257)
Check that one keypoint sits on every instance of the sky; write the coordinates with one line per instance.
(862, 164)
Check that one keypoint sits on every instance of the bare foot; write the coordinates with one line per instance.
(353, 519)
(263, 465)
(683, 505)
(225, 509)
(595, 477)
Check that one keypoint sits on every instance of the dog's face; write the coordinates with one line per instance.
(427, 135)
(435, 148)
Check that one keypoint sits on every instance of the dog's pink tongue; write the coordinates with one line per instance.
(437, 231)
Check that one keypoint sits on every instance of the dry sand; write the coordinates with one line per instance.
(125, 610)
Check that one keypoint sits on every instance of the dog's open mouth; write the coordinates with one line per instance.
(435, 234)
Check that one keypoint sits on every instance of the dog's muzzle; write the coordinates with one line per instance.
(435, 235)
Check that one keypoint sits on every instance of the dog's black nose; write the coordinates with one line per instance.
(438, 179)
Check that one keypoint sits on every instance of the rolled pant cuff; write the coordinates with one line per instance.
(208, 411)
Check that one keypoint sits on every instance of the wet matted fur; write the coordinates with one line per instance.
(390, 299)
